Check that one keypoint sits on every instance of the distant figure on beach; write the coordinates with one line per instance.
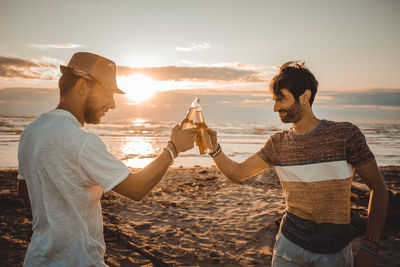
(315, 160)
(65, 169)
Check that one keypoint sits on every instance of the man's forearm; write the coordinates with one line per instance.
(152, 174)
(378, 200)
(227, 166)
(239, 171)
(377, 212)
(137, 185)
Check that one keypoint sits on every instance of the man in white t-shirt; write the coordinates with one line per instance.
(65, 169)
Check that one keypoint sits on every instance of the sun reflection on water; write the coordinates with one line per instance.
(139, 151)
(138, 146)
(140, 122)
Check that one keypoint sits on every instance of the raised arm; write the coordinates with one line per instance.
(137, 185)
(233, 170)
(377, 209)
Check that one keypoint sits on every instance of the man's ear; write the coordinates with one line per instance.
(305, 97)
(82, 87)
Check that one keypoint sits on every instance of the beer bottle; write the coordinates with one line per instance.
(202, 136)
(187, 122)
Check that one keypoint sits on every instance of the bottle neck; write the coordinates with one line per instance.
(191, 114)
(199, 116)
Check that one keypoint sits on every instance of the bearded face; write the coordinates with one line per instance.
(97, 104)
(91, 111)
(291, 114)
(289, 110)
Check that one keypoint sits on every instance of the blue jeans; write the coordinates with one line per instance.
(288, 254)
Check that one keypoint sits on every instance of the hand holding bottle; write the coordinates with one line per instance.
(213, 138)
(182, 140)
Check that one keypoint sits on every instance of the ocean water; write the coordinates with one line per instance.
(137, 141)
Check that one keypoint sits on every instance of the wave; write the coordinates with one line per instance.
(143, 139)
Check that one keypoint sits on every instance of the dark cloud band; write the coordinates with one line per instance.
(24, 68)
(29, 69)
(199, 74)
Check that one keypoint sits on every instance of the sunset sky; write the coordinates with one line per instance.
(223, 51)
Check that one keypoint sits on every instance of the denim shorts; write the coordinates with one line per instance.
(288, 254)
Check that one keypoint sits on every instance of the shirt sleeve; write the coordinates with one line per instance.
(266, 152)
(357, 150)
(99, 166)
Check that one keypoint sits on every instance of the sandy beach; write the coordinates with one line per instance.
(197, 217)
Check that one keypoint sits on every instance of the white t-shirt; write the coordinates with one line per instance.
(66, 170)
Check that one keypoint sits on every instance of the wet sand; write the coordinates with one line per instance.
(196, 217)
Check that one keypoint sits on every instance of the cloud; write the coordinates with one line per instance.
(237, 65)
(256, 101)
(196, 74)
(52, 60)
(194, 47)
(359, 106)
(47, 69)
(320, 99)
(366, 98)
(57, 46)
(27, 69)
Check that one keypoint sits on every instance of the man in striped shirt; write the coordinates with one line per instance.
(315, 161)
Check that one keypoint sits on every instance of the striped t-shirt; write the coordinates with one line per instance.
(315, 171)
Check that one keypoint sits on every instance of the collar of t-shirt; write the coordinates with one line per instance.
(307, 134)
(65, 113)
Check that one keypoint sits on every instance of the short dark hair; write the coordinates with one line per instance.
(68, 80)
(295, 77)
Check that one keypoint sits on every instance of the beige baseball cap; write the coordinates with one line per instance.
(94, 67)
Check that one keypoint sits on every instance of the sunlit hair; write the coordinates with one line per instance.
(68, 80)
(295, 77)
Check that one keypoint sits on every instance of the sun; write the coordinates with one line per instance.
(137, 87)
